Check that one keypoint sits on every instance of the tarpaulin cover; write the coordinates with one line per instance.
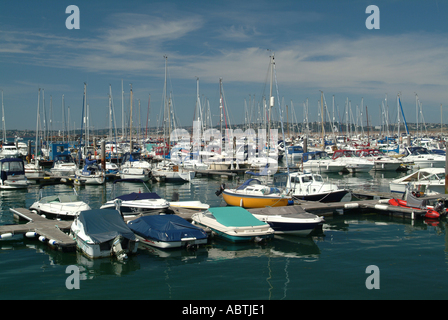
(103, 225)
(165, 228)
(139, 196)
(235, 217)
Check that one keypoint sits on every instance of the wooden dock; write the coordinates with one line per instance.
(46, 230)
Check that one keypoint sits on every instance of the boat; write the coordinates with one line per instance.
(312, 187)
(352, 162)
(167, 232)
(189, 204)
(34, 170)
(319, 161)
(92, 173)
(381, 161)
(58, 206)
(292, 220)
(420, 157)
(9, 150)
(171, 172)
(234, 224)
(419, 204)
(427, 180)
(103, 233)
(133, 167)
(295, 153)
(63, 165)
(12, 174)
(253, 194)
(136, 203)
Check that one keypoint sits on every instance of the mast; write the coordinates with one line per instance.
(322, 116)
(271, 104)
(3, 120)
(37, 125)
(122, 111)
(147, 119)
(130, 122)
(63, 119)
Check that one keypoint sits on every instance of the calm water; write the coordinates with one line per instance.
(411, 257)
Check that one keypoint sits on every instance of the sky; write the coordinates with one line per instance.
(319, 46)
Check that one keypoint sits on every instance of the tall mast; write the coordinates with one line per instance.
(322, 116)
(37, 125)
(63, 119)
(271, 102)
(130, 120)
(122, 111)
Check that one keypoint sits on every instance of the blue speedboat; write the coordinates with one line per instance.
(167, 231)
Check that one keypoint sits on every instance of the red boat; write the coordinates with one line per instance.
(430, 212)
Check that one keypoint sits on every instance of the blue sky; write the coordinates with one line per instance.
(318, 45)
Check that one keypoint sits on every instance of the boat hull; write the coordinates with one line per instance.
(253, 201)
(103, 250)
(291, 226)
(332, 196)
(170, 244)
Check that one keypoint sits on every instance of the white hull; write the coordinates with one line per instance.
(426, 180)
(323, 167)
(170, 244)
(95, 251)
(91, 179)
(20, 183)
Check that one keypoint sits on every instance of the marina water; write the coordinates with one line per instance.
(411, 257)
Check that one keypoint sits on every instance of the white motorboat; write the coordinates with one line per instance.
(420, 157)
(34, 170)
(171, 172)
(319, 161)
(133, 167)
(9, 150)
(291, 220)
(64, 165)
(136, 203)
(167, 232)
(312, 187)
(426, 180)
(59, 206)
(92, 173)
(381, 161)
(12, 174)
(103, 233)
(351, 161)
(234, 224)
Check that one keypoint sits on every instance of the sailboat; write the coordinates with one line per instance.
(167, 170)
(33, 169)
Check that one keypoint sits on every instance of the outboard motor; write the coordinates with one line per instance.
(117, 249)
(440, 206)
(220, 190)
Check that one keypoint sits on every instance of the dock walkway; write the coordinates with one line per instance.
(48, 231)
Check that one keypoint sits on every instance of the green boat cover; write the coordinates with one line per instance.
(235, 217)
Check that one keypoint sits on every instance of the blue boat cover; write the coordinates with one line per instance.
(165, 228)
(235, 217)
(102, 225)
(139, 196)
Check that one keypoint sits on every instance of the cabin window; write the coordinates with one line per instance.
(307, 179)
(12, 166)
